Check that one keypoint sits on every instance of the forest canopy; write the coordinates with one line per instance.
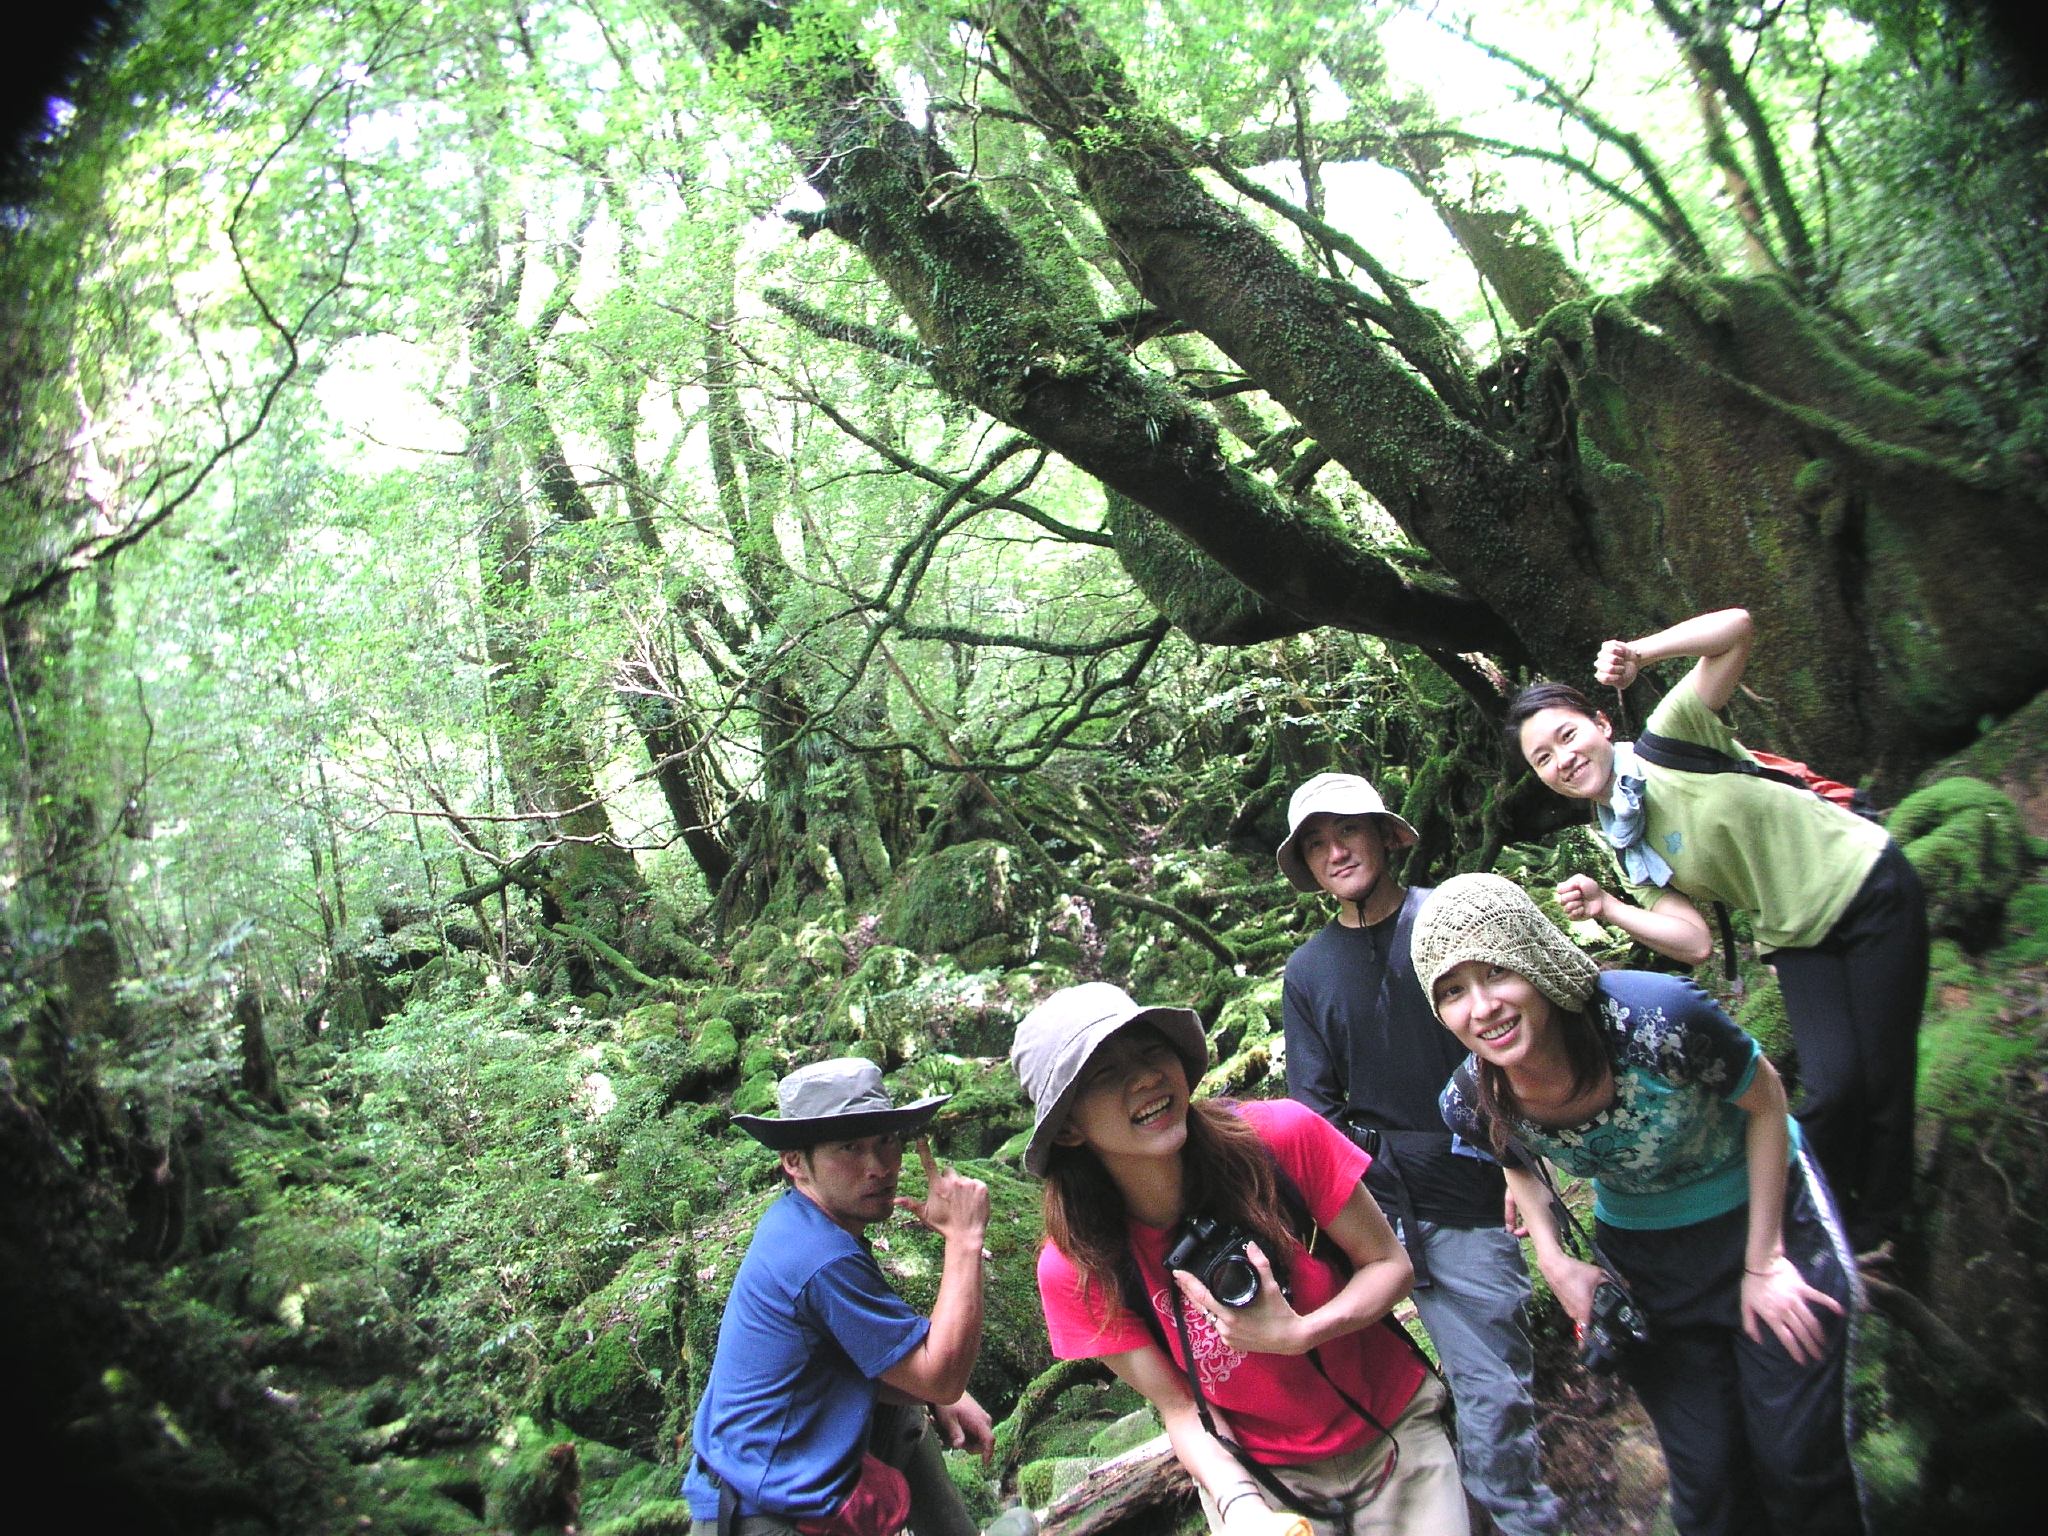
(627, 485)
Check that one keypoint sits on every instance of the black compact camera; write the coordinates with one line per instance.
(1617, 1327)
(1214, 1254)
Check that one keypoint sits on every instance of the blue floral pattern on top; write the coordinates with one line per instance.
(1670, 1149)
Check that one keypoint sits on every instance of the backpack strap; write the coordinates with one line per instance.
(1693, 757)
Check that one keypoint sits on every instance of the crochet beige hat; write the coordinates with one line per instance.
(1486, 917)
(1057, 1037)
(1331, 794)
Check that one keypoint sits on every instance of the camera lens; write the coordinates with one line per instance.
(1233, 1281)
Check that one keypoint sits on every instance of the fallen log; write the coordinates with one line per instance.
(1144, 1482)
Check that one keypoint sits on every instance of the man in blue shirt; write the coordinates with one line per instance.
(815, 1406)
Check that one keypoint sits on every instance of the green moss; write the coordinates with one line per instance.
(1248, 1019)
(664, 1517)
(2026, 929)
(961, 894)
(435, 1496)
(1816, 478)
(649, 1021)
(534, 1488)
(617, 1485)
(756, 1096)
(2012, 753)
(1762, 1013)
(1014, 1349)
(1195, 594)
(716, 1049)
(1126, 1433)
(617, 1354)
(1040, 1482)
(1968, 843)
(1969, 1052)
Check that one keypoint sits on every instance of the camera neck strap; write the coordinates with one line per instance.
(1329, 1510)
(1568, 1229)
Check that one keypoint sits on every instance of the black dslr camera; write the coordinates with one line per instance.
(1617, 1327)
(1214, 1254)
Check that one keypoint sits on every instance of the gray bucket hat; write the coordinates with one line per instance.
(1053, 1044)
(1488, 917)
(1331, 794)
(838, 1100)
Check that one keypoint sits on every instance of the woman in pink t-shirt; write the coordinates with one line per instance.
(1339, 1414)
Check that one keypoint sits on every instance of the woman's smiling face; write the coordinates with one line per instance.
(1571, 752)
(1497, 1014)
(1133, 1098)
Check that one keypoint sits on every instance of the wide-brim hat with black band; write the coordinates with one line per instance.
(1053, 1044)
(838, 1100)
(1331, 794)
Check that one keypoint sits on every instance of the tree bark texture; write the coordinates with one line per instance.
(1737, 447)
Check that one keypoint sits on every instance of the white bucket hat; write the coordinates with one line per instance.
(1331, 794)
(1053, 1044)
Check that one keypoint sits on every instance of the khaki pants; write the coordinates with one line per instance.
(1425, 1496)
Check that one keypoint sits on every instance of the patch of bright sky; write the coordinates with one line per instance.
(381, 389)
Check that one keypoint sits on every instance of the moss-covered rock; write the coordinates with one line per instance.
(324, 1267)
(1126, 1433)
(897, 1009)
(985, 1108)
(537, 1486)
(973, 891)
(432, 1496)
(617, 1353)
(1966, 840)
(714, 1049)
(1249, 1018)
(1040, 1482)
(649, 1021)
(2013, 754)
(1970, 1050)
(1013, 1347)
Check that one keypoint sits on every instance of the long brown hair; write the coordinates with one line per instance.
(1585, 1051)
(1227, 1173)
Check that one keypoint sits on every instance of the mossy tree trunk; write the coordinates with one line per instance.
(1735, 445)
(516, 462)
(820, 823)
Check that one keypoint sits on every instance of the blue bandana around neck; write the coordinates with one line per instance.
(1624, 822)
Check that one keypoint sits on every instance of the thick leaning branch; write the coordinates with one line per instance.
(1498, 522)
(1000, 340)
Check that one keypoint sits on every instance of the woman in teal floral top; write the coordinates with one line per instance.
(1704, 1204)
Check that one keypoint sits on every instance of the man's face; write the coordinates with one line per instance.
(853, 1182)
(1346, 855)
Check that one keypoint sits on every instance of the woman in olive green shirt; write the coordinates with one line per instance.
(1835, 906)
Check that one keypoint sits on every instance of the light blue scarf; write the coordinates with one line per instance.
(1624, 821)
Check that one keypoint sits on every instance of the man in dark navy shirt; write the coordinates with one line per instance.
(1365, 1051)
